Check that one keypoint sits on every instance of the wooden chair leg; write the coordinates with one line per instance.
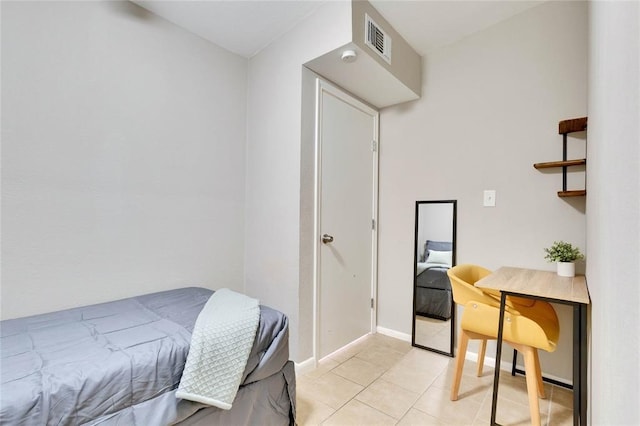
(481, 353)
(539, 375)
(529, 356)
(462, 352)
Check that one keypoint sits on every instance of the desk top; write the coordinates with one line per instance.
(532, 282)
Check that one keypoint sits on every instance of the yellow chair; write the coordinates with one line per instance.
(529, 325)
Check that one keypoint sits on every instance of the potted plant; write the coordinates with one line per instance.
(565, 255)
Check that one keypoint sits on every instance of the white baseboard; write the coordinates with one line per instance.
(393, 333)
(489, 362)
(545, 375)
(305, 366)
(506, 366)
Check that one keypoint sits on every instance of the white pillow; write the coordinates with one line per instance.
(421, 267)
(441, 257)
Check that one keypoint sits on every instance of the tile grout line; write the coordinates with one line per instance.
(359, 392)
(396, 420)
(386, 369)
(549, 404)
(484, 400)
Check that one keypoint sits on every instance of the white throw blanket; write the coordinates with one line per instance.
(220, 345)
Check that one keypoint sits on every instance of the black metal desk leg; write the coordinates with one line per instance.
(579, 364)
(576, 365)
(496, 373)
(583, 364)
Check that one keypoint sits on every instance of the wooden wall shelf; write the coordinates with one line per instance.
(564, 128)
(567, 163)
(577, 193)
(572, 125)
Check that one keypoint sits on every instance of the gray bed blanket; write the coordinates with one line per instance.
(74, 366)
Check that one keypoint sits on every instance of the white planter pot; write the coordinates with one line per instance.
(566, 269)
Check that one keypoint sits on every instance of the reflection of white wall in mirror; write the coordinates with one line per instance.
(435, 222)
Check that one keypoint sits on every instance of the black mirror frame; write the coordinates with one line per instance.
(415, 270)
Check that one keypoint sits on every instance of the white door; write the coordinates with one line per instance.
(347, 207)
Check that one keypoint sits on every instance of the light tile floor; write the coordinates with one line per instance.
(384, 381)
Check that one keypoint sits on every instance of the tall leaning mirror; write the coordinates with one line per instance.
(434, 253)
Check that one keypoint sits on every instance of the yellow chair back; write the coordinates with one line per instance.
(528, 321)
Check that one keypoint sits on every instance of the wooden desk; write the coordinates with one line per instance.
(546, 285)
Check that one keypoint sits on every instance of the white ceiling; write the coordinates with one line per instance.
(246, 27)
(243, 27)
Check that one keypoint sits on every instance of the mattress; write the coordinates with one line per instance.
(433, 293)
(434, 278)
(95, 362)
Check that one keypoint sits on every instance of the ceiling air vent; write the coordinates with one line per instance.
(377, 39)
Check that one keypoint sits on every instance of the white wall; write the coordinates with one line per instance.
(613, 220)
(490, 109)
(122, 156)
(273, 210)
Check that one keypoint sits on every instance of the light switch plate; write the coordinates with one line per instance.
(489, 198)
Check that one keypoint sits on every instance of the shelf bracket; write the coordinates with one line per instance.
(564, 158)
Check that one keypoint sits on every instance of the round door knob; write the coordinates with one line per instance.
(326, 239)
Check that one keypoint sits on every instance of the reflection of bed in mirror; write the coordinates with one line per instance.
(433, 289)
(434, 252)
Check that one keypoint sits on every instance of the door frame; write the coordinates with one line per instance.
(323, 86)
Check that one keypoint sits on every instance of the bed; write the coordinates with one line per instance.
(433, 289)
(119, 363)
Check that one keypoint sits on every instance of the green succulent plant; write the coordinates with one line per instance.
(562, 252)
